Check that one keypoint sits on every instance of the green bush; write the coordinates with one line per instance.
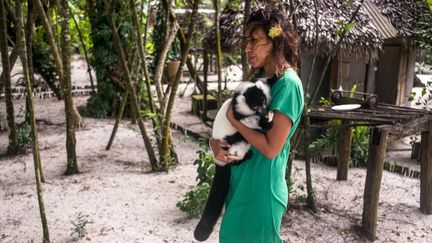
(195, 199)
(24, 135)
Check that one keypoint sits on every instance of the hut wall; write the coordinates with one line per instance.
(386, 80)
(351, 72)
(406, 75)
(305, 69)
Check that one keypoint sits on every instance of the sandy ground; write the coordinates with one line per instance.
(128, 204)
(125, 203)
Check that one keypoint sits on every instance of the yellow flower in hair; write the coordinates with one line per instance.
(275, 31)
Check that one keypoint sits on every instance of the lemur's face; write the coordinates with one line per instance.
(256, 100)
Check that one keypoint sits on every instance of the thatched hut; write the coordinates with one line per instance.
(378, 54)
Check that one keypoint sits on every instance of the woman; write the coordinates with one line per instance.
(258, 194)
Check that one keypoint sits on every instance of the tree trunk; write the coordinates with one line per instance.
(118, 118)
(310, 190)
(29, 36)
(172, 30)
(182, 37)
(13, 147)
(244, 61)
(56, 53)
(166, 127)
(84, 49)
(35, 144)
(72, 163)
(131, 89)
(216, 5)
(12, 59)
(141, 44)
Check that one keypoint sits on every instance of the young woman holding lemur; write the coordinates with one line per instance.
(258, 195)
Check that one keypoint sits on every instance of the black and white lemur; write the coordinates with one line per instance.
(250, 106)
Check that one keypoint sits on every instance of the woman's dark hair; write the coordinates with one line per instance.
(285, 44)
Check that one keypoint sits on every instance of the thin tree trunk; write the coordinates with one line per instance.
(131, 89)
(166, 127)
(72, 163)
(85, 51)
(29, 37)
(35, 143)
(13, 147)
(310, 190)
(244, 61)
(182, 37)
(12, 59)
(219, 57)
(118, 118)
(173, 27)
(142, 54)
(56, 53)
(309, 80)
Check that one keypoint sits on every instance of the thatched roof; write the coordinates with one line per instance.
(231, 31)
(377, 20)
(362, 41)
(405, 15)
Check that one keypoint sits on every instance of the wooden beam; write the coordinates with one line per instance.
(375, 165)
(343, 151)
(426, 171)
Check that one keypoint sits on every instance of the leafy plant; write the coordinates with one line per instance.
(425, 98)
(24, 135)
(195, 199)
(79, 225)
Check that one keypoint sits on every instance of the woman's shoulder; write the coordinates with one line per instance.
(290, 79)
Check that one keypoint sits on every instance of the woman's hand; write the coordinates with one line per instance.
(220, 150)
(230, 114)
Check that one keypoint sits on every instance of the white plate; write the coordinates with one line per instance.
(347, 107)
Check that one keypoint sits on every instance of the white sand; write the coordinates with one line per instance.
(127, 205)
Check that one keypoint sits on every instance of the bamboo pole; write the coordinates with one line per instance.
(375, 166)
(426, 171)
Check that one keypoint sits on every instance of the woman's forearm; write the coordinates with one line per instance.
(258, 139)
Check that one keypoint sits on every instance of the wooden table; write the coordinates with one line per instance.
(386, 120)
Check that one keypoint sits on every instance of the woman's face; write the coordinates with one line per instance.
(258, 48)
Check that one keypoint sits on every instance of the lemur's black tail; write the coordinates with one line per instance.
(215, 203)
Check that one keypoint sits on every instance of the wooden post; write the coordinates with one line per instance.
(375, 165)
(426, 171)
(343, 151)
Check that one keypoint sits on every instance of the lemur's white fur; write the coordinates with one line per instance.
(223, 128)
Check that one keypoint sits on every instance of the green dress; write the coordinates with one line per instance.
(258, 195)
